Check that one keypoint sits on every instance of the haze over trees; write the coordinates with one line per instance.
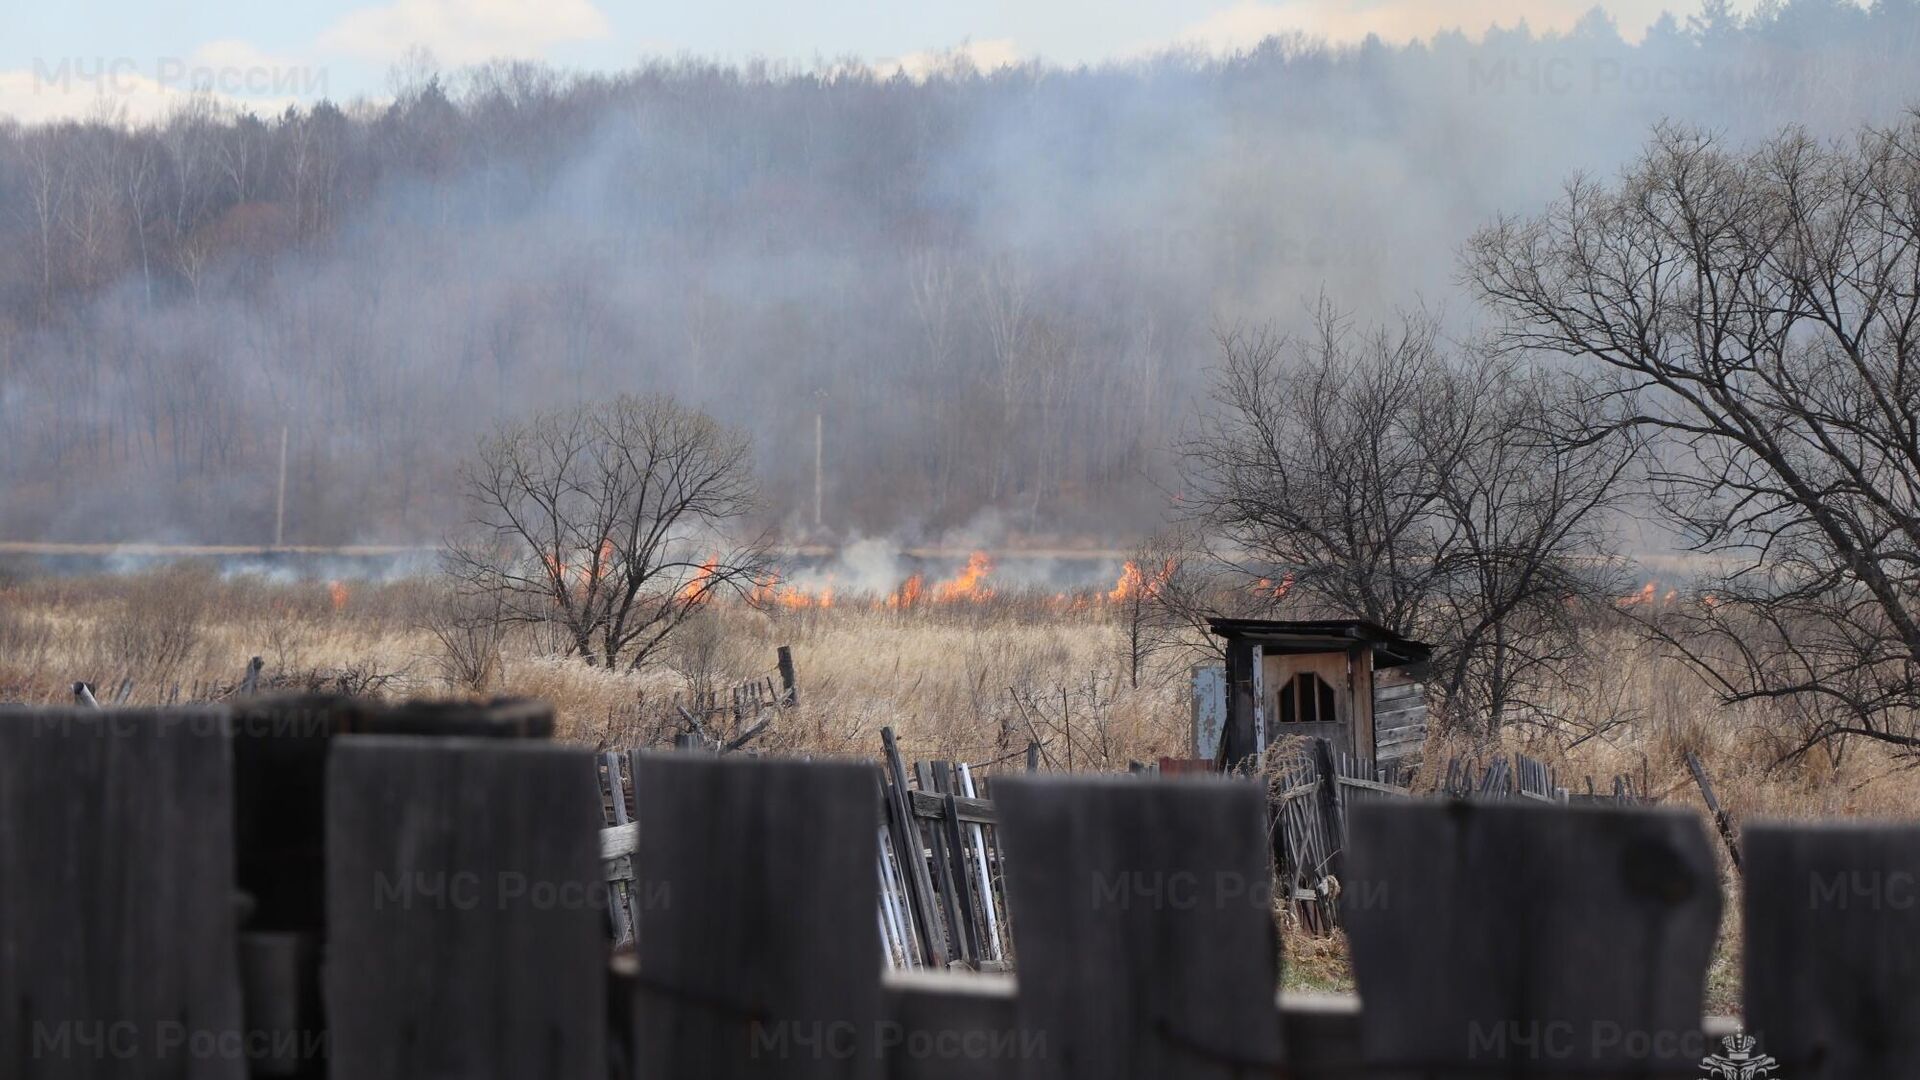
(998, 290)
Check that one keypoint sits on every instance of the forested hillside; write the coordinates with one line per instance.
(998, 290)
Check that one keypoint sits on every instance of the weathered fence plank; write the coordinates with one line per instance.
(118, 948)
(910, 848)
(1144, 926)
(615, 856)
(1530, 940)
(1833, 948)
(465, 909)
(953, 1026)
(761, 961)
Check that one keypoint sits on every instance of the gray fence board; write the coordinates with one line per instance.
(1543, 940)
(466, 931)
(466, 911)
(757, 961)
(1833, 948)
(118, 948)
(1143, 925)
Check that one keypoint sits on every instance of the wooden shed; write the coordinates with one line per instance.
(1359, 686)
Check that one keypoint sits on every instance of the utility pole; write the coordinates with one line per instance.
(819, 459)
(280, 503)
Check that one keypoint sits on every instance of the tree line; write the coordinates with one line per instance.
(997, 290)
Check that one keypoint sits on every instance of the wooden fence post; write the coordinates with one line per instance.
(1143, 922)
(1520, 939)
(1833, 948)
(789, 682)
(1720, 819)
(119, 952)
(465, 910)
(1332, 808)
(762, 962)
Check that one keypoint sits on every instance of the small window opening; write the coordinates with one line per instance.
(1307, 699)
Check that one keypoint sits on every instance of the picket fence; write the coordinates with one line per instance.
(465, 930)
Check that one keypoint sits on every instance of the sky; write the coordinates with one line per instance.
(135, 58)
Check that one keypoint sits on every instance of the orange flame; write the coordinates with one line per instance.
(1135, 585)
(337, 595)
(1646, 595)
(794, 597)
(700, 584)
(592, 568)
(966, 586)
(908, 594)
(771, 592)
(1279, 591)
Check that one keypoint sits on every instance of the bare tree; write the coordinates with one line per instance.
(1527, 557)
(615, 521)
(1148, 625)
(1378, 476)
(1759, 320)
(1304, 463)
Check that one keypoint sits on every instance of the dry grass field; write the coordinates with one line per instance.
(970, 679)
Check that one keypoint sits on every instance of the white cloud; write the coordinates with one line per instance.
(1245, 24)
(989, 55)
(233, 74)
(465, 31)
(40, 95)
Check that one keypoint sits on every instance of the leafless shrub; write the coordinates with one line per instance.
(1074, 721)
(24, 640)
(362, 678)
(155, 628)
(1165, 593)
(711, 655)
(470, 631)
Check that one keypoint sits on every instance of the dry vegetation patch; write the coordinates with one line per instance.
(967, 682)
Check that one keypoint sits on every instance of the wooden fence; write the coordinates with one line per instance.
(1314, 791)
(942, 893)
(465, 928)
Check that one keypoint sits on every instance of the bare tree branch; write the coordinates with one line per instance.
(614, 521)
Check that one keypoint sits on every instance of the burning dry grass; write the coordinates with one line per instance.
(960, 669)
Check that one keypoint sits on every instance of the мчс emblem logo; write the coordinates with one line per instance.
(1739, 1059)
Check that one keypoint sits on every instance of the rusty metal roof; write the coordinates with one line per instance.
(1315, 635)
